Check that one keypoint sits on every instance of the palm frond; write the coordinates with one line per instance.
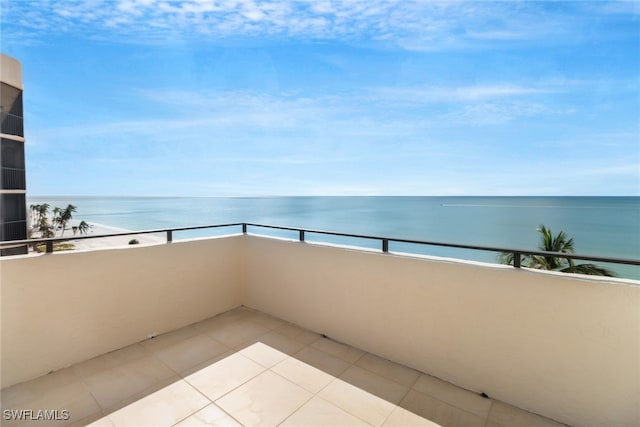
(590, 269)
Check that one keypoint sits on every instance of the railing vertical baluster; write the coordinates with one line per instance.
(517, 254)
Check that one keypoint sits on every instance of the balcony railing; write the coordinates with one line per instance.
(302, 234)
(11, 233)
(12, 124)
(12, 179)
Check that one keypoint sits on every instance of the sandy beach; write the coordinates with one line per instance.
(109, 242)
(113, 242)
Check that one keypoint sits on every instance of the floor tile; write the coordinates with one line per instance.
(400, 417)
(263, 354)
(265, 320)
(73, 398)
(210, 415)
(214, 323)
(318, 412)
(111, 387)
(223, 376)
(29, 391)
(388, 369)
(507, 416)
(297, 333)
(386, 389)
(170, 338)
(358, 402)
(110, 360)
(323, 361)
(207, 363)
(237, 313)
(277, 341)
(268, 370)
(102, 422)
(455, 396)
(439, 412)
(165, 407)
(334, 348)
(266, 400)
(190, 352)
(303, 374)
(236, 333)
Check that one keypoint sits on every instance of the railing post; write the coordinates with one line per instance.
(302, 235)
(169, 236)
(517, 259)
(244, 228)
(385, 245)
(49, 245)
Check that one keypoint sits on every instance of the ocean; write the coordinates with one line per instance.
(604, 226)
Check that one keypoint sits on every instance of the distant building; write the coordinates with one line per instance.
(13, 189)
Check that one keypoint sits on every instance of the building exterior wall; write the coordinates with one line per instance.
(560, 345)
(66, 307)
(13, 188)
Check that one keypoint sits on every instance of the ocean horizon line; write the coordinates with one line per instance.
(42, 196)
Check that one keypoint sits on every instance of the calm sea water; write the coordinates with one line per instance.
(606, 226)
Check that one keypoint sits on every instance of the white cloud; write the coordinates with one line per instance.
(415, 25)
(455, 94)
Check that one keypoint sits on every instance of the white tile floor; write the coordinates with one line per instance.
(245, 368)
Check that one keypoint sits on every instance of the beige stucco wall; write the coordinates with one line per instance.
(553, 344)
(561, 346)
(10, 71)
(63, 308)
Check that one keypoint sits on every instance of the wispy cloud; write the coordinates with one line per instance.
(414, 25)
(451, 94)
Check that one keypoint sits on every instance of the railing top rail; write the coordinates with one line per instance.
(385, 241)
(123, 233)
(459, 245)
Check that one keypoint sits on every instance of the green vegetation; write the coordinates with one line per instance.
(61, 217)
(83, 228)
(41, 226)
(60, 246)
(559, 243)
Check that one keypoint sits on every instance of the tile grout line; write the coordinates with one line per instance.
(486, 421)
(342, 409)
(449, 404)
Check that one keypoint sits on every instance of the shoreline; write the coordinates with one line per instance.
(97, 229)
(112, 242)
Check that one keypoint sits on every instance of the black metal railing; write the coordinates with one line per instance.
(12, 179)
(13, 231)
(11, 124)
(302, 234)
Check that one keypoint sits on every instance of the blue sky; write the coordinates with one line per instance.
(241, 98)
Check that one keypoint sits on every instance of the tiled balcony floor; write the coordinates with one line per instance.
(247, 368)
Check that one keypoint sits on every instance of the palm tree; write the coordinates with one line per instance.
(55, 222)
(40, 214)
(83, 227)
(64, 216)
(559, 243)
(41, 219)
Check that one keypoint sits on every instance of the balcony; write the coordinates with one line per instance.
(244, 326)
(11, 124)
(12, 179)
